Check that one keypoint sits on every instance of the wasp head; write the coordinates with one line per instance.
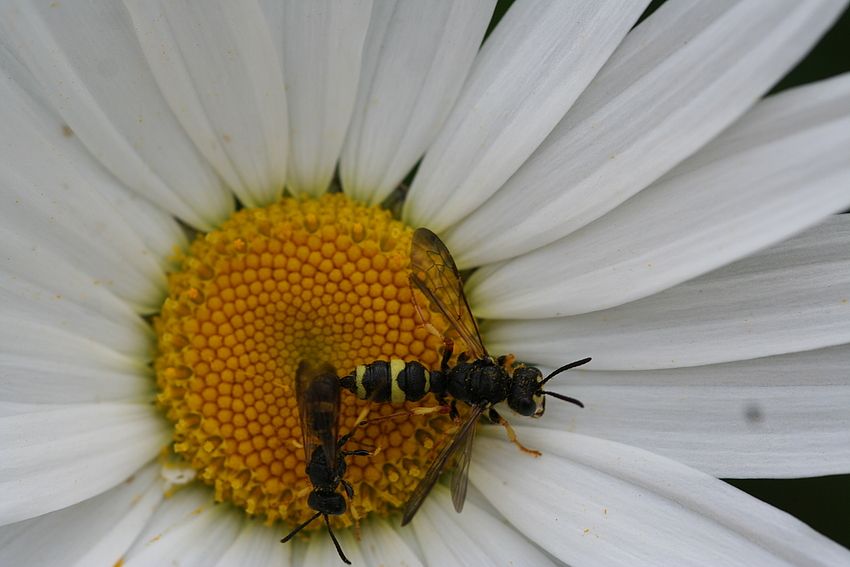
(526, 394)
(327, 502)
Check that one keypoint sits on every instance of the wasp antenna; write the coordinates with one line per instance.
(336, 543)
(299, 528)
(565, 368)
(565, 398)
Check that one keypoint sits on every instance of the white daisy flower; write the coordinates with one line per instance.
(622, 191)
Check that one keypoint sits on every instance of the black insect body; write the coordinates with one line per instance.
(472, 382)
(477, 379)
(478, 382)
(393, 381)
(318, 395)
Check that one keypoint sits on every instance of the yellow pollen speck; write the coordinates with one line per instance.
(302, 279)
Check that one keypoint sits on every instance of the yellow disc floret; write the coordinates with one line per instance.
(302, 279)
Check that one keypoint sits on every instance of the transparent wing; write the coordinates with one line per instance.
(460, 474)
(434, 273)
(461, 439)
(318, 394)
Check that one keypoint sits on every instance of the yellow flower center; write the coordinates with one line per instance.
(302, 279)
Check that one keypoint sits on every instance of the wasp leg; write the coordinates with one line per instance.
(447, 355)
(428, 326)
(496, 418)
(349, 491)
(361, 419)
(507, 361)
(407, 413)
(453, 413)
(358, 453)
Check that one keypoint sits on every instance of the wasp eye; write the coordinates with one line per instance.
(525, 406)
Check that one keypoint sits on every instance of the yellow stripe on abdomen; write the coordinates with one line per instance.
(396, 366)
(358, 380)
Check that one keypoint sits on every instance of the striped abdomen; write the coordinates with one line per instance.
(393, 381)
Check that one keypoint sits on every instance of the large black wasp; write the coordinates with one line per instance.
(318, 394)
(477, 379)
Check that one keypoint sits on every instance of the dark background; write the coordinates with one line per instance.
(823, 502)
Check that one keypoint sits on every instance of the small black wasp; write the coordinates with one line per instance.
(318, 394)
(477, 379)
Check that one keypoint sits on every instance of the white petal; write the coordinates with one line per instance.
(382, 544)
(531, 69)
(780, 169)
(256, 544)
(41, 293)
(586, 498)
(472, 538)
(188, 529)
(157, 229)
(88, 68)
(416, 58)
(56, 457)
(51, 206)
(319, 44)
(775, 417)
(217, 67)
(41, 364)
(320, 549)
(678, 79)
(789, 298)
(42, 147)
(96, 531)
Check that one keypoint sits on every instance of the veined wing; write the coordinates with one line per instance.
(434, 273)
(460, 474)
(318, 394)
(461, 439)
